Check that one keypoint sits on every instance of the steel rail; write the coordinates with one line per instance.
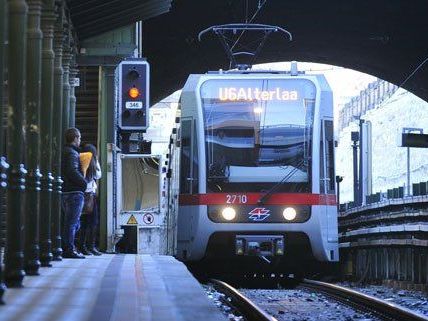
(245, 306)
(379, 307)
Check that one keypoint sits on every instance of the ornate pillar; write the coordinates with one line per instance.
(14, 257)
(3, 164)
(73, 74)
(32, 155)
(48, 20)
(57, 132)
(66, 60)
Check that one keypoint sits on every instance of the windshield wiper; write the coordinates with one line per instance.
(266, 196)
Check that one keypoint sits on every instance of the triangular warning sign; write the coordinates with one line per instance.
(132, 220)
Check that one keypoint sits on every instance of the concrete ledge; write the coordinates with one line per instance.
(385, 242)
(386, 203)
(381, 216)
(421, 227)
(405, 285)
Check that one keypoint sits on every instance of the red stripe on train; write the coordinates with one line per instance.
(252, 199)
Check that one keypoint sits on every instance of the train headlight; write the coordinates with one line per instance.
(289, 213)
(228, 213)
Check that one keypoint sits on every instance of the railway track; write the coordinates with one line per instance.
(246, 307)
(358, 301)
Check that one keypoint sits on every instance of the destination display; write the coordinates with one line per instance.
(250, 94)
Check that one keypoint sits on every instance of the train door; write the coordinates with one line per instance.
(189, 164)
(327, 177)
(327, 161)
(187, 214)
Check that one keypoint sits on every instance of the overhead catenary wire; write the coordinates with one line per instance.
(409, 76)
(413, 72)
(259, 7)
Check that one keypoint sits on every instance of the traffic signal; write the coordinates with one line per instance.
(133, 94)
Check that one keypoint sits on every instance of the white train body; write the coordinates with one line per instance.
(252, 146)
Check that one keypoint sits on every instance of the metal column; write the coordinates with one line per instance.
(355, 138)
(3, 164)
(366, 161)
(14, 257)
(106, 138)
(32, 127)
(73, 74)
(48, 20)
(339, 179)
(360, 168)
(57, 133)
(66, 65)
(408, 172)
(66, 60)
(407, 130)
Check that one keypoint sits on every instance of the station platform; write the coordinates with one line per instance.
(111, 287)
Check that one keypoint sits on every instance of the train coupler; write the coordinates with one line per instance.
(259, 245)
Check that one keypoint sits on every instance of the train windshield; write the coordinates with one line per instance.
(258, 131)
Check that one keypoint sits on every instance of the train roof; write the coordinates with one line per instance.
(193, 79)
(251, 72)
(189, 97)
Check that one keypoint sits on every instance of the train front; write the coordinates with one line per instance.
(260, 172)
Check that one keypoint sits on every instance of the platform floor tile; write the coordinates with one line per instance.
(111, 288)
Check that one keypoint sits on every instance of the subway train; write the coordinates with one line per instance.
(252, 171)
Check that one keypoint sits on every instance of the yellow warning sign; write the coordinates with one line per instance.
(132, 220)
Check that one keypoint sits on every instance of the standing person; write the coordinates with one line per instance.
(90, 215)
(72, 191)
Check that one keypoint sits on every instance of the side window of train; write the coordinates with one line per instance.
(322, 158)
(186, 130)
(195, 174)
(189, 158)
(327, 158)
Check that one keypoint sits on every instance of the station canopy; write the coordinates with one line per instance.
(94, 17)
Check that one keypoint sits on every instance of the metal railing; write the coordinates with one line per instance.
(371, 97)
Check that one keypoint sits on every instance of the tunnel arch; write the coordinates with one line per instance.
(382, 38)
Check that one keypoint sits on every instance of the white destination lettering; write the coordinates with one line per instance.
(249, 94)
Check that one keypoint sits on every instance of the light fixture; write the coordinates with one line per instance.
(228, 213)
(289, 213)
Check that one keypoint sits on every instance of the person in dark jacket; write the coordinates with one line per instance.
(72, 191)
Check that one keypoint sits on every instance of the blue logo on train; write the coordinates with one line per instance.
(259, 214)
